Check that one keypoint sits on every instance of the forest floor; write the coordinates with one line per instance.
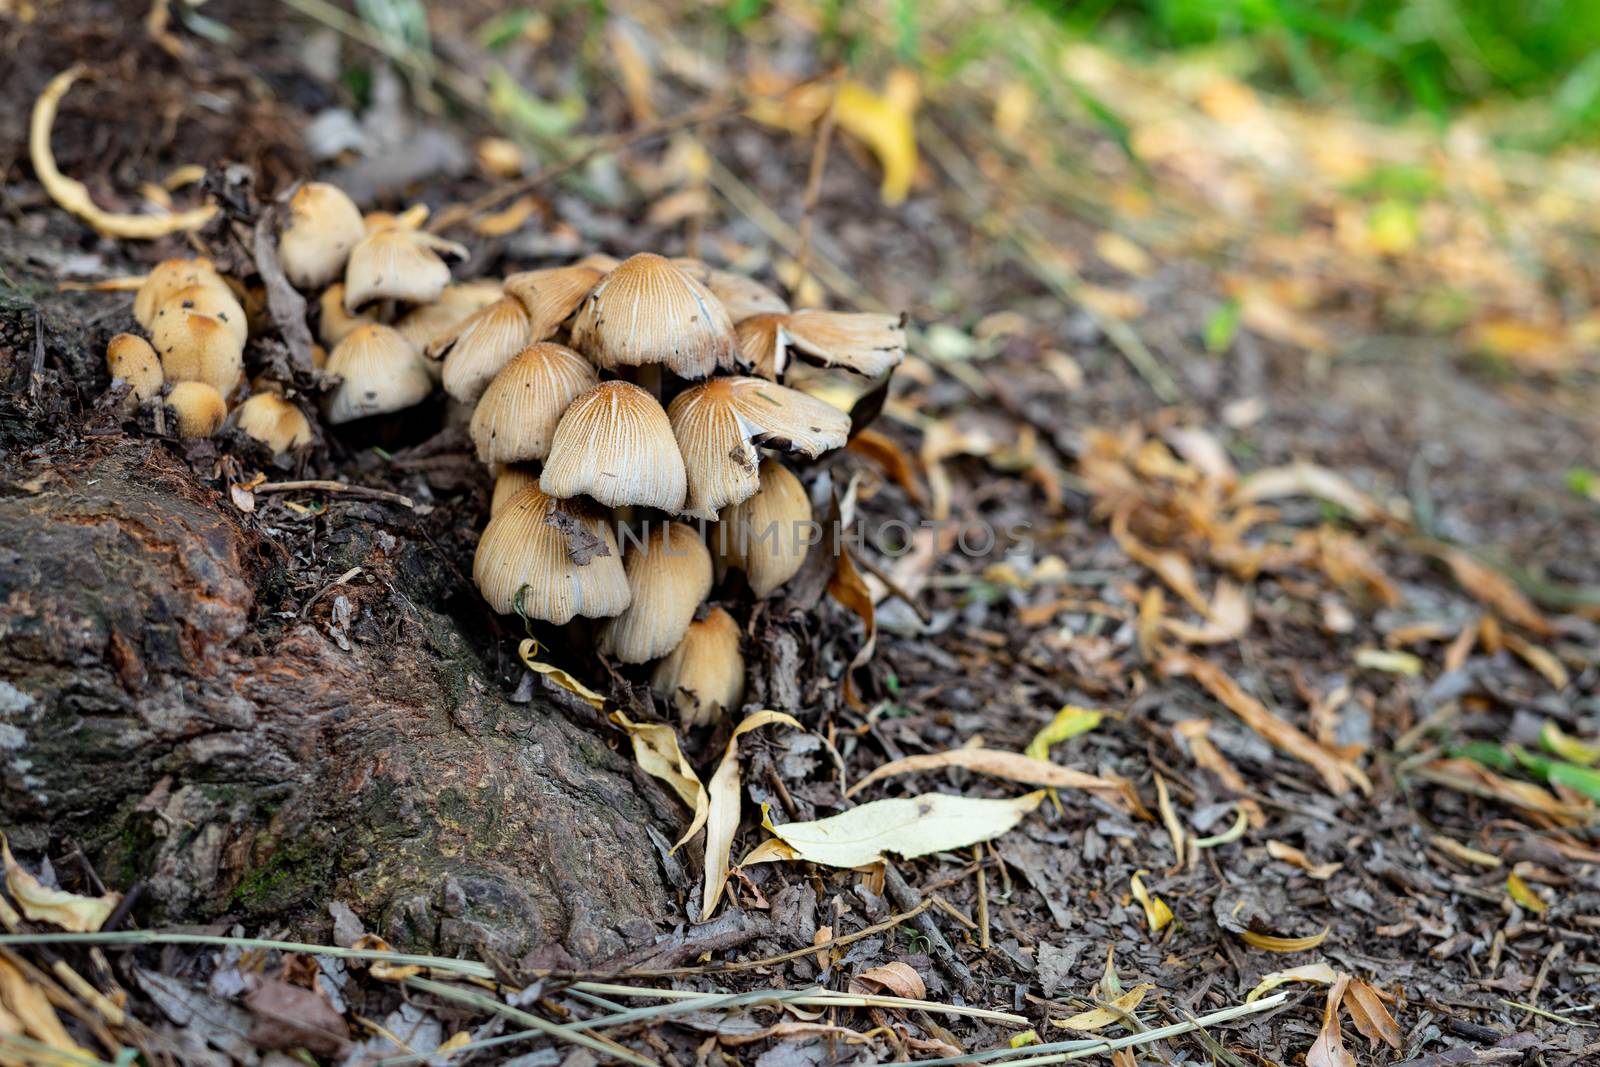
(1299, 415)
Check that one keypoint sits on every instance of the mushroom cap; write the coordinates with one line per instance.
(762, 345)
(765, 535)
(335, 323)
(381, 374)
(551, 296)
(197, 409)
(669, 575)
(615, 444)
(486, 343)
(209, 298)
(649, 311)
(166, 278)
(197, 348)
(323, 226)
(720, 458)
(510, 481)
(130, 358)
(704, 676)
(743, 296)
(517, 415)
(531, 543)
(787, 419)
(395, 263)
(274, 421)
(863, 341)
(439, 321)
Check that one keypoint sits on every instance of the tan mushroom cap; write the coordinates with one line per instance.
(615, 444)
(441, 320)
(274, 421)
(486, 343)
(336, 323)
(560, 556)
(768, 535)
(517, 415)
(786, 419)
(551, 296)
(704, 676)
(197, 348)
(129, 358)
(741, 295)
(166, 278)
(669, 575)
(197, 409)
(864, 342)
(720, 458)
(510, 481)
(396, 263)
(323, 226)
(213, 299)
(648, 311)
(380, 372)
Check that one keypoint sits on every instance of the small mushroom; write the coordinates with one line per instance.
(864, 342)
(167, 278)
(551, 296)
(397, 261)
(647, 312)
(741, 295)
(783, 418)
(422, 327)
(380, 372)
(510, 481)
(720, 458)
(517, 415)
(669, 575)
(335, 323)
(323, 226)
(195, 347)
(274, 421)
(129, 358)
(209, 298)
(767, 536)
(486, 343)
(704, 676)
(615, 444)
(550, 559)
(197, 409)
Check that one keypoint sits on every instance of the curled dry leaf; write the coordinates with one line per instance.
(25, 1008)
(384, 970)
(1279, 850)
(722, 808)
(1523, 894)
(1156, 912)
(1540, 659)
(529, 648)
(906, 826)
(1328, 1050)
(1306, 479)
(896, 978)
(1100, 1018)
(886, 453)
(39, 902)
(1069, 722)
(1274, 943)
(1365, 1005)
(1013, 766)
(1227, 618)
(655, 749)
(886, 125)
(1312, 972)
(1496, 591)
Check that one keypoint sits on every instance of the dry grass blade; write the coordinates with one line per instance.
(560, 1033)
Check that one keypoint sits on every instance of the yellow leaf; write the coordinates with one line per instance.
(1027, 1037)
(907, 826)
(1069, 722)
(1100, 1018)
(1311, 972)
(655, 749)
(1524, 895)
(1273, 943)
(1568, 748)
(79, 914)
(1156, 911)
(722, 810)
(886, 124)
(529, 648)
(1390, 661)
(1122, 253)
(26, 1003)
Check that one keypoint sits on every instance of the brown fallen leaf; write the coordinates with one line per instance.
(1306, 479)
(886, 453)
(1013, 766)
(1279, 850)
(848, 588)
(722, 814)
(1227, 618)
(1467, 776)
(895, 978)
(1496, 591)
(291, 1016)
(40, 903)
(1366, 1009)
(1540, 659)
(1328, 1050)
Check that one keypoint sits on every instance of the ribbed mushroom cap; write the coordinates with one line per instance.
(561, 555)
(741, 295)
(323, 226)
(395, 263)
(486, 343)
(273, 421)
(441, 320)
(767, 535)
(863, 342)
(213, 299)
(335, 323)
(720, 458)
(615, 444)
(551, 296)
(517, 415)
(649, 311)
(508, 483)
(669, 575)
(704, 676)
(197, 409)
(197, 348)
(381, 374)
(786, 419)
(130, 358)
(166, 278)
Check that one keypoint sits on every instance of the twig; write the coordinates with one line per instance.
(983, 899)
(1539, 979)
(819, 163)
(318, 485)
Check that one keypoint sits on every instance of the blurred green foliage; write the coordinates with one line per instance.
(1390, 57)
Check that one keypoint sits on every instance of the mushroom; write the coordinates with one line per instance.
(717, 442)
(865, 342)
(486, 343)
(208, 298)
(550, 559)
(669, 574)
(615, 444)
(763, 536)
(440, 320)
(197, 409)
(274, 421)
(336, 323)
(551, 296)
(381, 374)
(195, 347)
(704, 676)
(130, 359)
(517, 415)
(323, 226)
(647, 311)
(742, 296)
(167, 278)
(397, 261)
(511, 480)
(786, 419)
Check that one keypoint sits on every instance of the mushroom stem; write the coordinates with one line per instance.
(648, 378)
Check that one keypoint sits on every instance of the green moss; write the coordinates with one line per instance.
(296, 872)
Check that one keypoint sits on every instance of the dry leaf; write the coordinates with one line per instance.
(848, 588)
(1541, 660)
(722, 809)
(384, 970)
(529, 648)
(1462, 852)
(907, 826)
(1366, 1009)
(897, 979)
(1496, 591)
(886, 453)
(1278, 850)
(1388, 660)
(1469, 776)
(1013, 766)
(1227, 618)
(1156, 912)
(1100, 1018)
(655, 749)
(1306, 479)
(1069, 722)
(1523, 894)
(27, 1004)
(1274, 943)
(1311, 972)
(1328, 1050)
(1169, 818)
(39, 902)
(886, 124)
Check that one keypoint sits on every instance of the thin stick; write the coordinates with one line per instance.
(321, 486)
(983, 900)
(819, 163)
